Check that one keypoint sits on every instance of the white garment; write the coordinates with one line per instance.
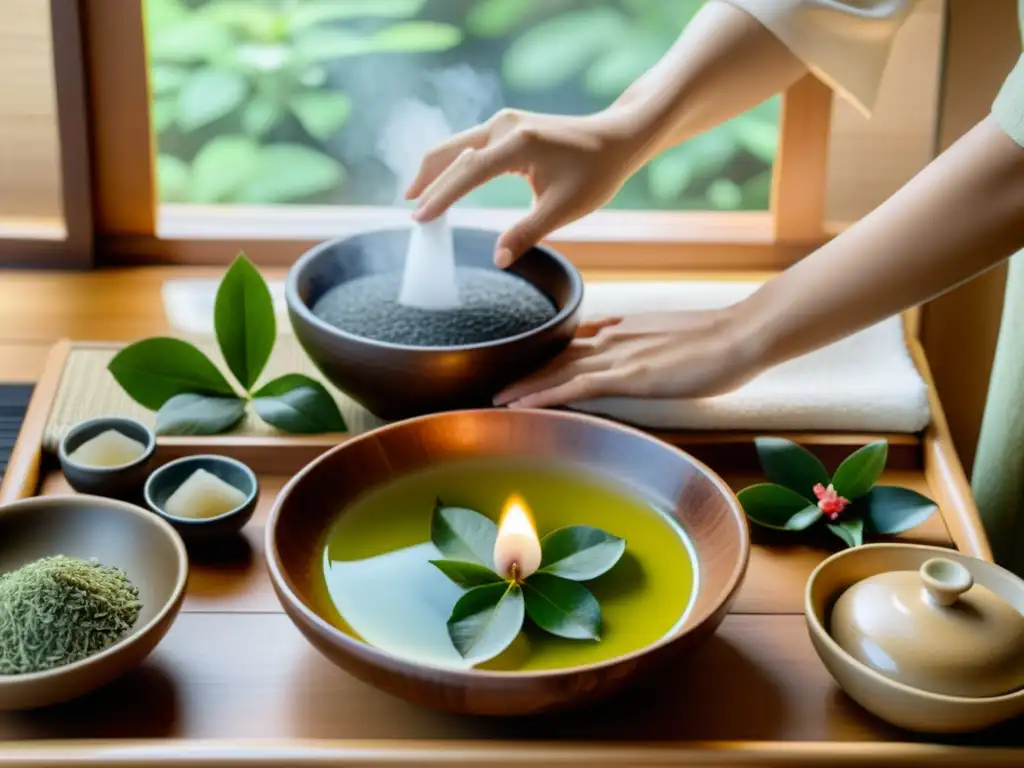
(844, 43)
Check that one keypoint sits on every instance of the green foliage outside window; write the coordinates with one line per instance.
(280, 101)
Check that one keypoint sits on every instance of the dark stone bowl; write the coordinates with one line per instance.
(396, 381)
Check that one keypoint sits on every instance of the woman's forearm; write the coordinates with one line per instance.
(723, 64)
(961, 215)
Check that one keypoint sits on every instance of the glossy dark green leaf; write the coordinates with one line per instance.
(861, 470)
(243, 316)
(793, 466)
(299, 404)
(154, 370)
(580, 552)
(486, 620)
(775, 506)
(562, 607)
(191, 414)
(466, 574)
(463, 534)
(850, 530)
(890, 509)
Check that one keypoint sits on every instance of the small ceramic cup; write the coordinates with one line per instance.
(124, 481)
(166, 479)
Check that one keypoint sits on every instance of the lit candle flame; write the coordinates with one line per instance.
(517, 548)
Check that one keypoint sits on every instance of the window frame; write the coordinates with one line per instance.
(69, 243)
(134, 228)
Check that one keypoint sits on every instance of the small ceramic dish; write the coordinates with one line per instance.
(926, 638)
(166, 479)
(116, 534)
(124, 481)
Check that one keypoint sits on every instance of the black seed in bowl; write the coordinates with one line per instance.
(494, 305)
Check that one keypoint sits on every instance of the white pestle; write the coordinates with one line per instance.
(428, 281)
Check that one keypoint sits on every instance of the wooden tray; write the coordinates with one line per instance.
(235, 683)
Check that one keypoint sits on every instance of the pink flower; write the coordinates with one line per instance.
(830, 502)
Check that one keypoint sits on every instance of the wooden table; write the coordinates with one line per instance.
(235, 682)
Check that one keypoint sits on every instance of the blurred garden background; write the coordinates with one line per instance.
(284, 101)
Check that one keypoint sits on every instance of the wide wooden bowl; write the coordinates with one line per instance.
(397, 381)
(699, 500)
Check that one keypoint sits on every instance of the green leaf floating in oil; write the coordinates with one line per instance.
(489, 616)
(486, 620)
(580, 552)
(463, 534)
(466, 574)
(386, 584)
(562, 607)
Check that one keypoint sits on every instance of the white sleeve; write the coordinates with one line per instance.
(845, 43)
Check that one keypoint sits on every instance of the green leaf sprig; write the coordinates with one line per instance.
(800, 493)
(192, 397)
(491, 613)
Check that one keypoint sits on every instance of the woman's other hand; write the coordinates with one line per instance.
(656, 355)
(574, 164)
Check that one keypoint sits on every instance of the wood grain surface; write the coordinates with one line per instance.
(237, 681)
(254, 676)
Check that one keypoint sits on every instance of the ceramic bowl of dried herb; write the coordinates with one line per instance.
(88, 587)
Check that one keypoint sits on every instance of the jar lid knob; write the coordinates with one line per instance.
(945, 580)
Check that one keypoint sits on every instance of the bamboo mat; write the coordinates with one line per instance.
(87, 390)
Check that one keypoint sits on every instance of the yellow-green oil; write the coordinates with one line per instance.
(642, 598)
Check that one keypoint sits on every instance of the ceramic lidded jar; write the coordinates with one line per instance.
(933, 629)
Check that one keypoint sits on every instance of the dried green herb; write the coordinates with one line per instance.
(59, 610)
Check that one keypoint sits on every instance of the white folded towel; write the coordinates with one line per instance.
(865, 383)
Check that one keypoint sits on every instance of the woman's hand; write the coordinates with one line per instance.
(656, 355)
(574, 164)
